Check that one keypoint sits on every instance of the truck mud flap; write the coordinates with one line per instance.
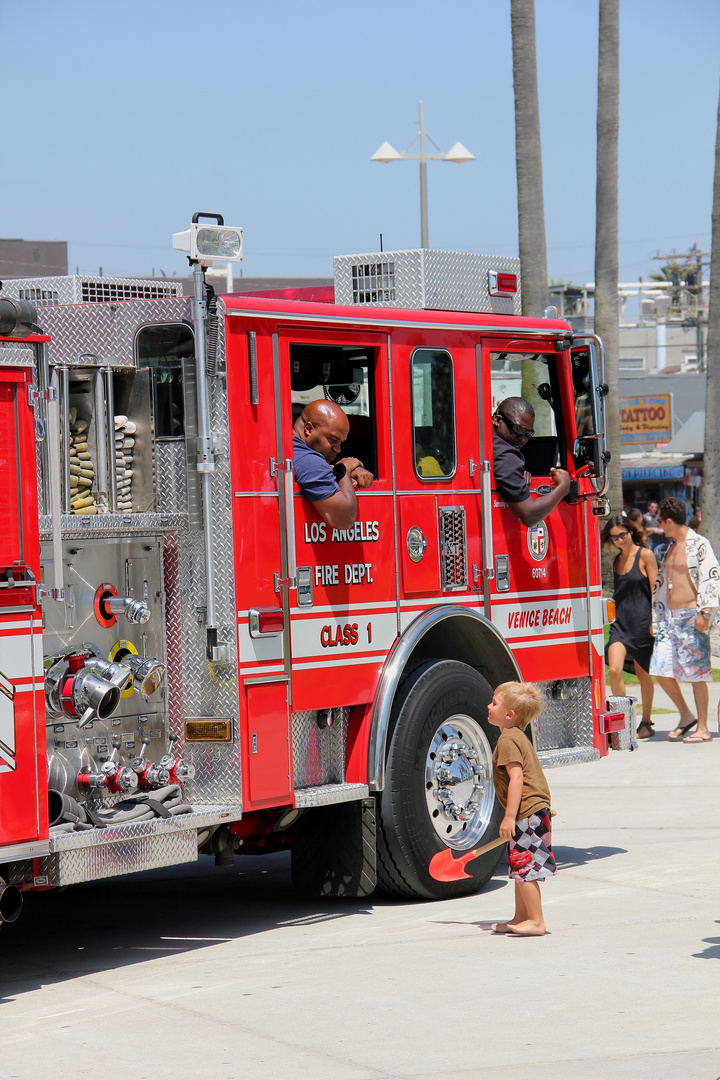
(333, 850)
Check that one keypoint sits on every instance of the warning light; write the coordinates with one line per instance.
(265, 621)
(502, 284)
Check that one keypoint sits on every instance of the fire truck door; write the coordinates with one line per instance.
(22, 744)
(341, 582)
(538, 595)
(436, 455)
(260, 564)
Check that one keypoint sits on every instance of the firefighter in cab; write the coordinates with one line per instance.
(512, 427)
(318, 433)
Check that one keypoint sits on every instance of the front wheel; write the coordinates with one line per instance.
(438, 781)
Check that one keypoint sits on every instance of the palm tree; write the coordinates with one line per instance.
(528, 161)
(711, 467)
(606, 228)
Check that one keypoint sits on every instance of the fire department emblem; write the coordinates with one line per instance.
(537, 541)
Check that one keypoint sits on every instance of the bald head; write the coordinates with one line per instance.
(324, 427)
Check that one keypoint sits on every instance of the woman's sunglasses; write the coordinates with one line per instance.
(620, 535)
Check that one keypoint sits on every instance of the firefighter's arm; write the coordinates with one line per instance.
(339, 510)
(514, 795)
(531, 511)
(361, 477)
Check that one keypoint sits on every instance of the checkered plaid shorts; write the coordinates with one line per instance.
(532, 837)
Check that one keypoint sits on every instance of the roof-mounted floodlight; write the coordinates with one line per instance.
(206, 243)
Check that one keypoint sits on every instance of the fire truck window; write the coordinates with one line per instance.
(433, 414)
(533, 376)
(163, 349)
(344, 374)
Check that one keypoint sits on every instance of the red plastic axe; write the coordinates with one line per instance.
(444, 867)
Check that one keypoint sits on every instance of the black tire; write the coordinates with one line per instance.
(434, 697)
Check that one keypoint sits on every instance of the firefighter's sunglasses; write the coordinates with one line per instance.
(516, 429)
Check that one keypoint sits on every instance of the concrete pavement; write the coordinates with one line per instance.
(207, 973)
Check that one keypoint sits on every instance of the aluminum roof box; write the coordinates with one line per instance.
(440, 280)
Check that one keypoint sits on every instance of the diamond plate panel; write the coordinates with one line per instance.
(567, 723)
(126, 849)
(87, 288)
(120, 857)
(330, 793)
(136, 830)
(318, 753)
(16, 355)
(171, 477)
(106, 330)
(196, 686)
(440, 280)
(627, 739)
(575, 755)
(77, 528)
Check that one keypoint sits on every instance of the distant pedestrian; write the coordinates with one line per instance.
(522, 789)
(654, 533)
(685, 599)
(634, 573)
(636, 516)
(694, 523)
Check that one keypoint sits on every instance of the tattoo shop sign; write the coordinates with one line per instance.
(645, 419)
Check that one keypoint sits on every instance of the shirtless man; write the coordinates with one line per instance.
(318, 434)
(685, 598)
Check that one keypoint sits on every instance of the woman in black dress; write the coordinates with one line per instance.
(634, 573)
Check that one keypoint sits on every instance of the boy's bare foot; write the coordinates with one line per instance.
(501, 928)
(527, 928)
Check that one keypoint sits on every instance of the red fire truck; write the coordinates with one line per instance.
(193, 661)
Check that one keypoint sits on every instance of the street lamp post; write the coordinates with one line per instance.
(458, 153)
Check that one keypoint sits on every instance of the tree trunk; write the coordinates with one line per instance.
(528, 159)
(606, 230)
(711, 467)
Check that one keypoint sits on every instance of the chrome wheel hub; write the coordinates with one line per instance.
(458, 782)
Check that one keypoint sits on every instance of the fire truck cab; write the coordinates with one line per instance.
(197, 661)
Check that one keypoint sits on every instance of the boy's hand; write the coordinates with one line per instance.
(507, 828)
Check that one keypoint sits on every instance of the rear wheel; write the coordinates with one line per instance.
(438, 781)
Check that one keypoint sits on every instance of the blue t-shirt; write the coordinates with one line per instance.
(312, 472)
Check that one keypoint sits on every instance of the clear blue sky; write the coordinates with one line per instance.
(121, 119)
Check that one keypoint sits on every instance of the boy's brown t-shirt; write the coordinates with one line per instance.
(514, 746)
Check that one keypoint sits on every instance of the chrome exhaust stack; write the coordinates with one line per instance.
(11, 902)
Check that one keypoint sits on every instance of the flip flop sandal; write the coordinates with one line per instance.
(681, 731)
(697, 738)
(649, 729)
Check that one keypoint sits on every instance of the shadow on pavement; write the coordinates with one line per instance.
(102, 925)
(126, 920)
(712, 952)
(570, 856)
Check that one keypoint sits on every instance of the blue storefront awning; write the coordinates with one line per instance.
(655, 472)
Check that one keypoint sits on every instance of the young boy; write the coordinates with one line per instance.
(522, 789)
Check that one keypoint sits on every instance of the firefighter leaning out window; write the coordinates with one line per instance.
(328, 482)
(513, 423)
